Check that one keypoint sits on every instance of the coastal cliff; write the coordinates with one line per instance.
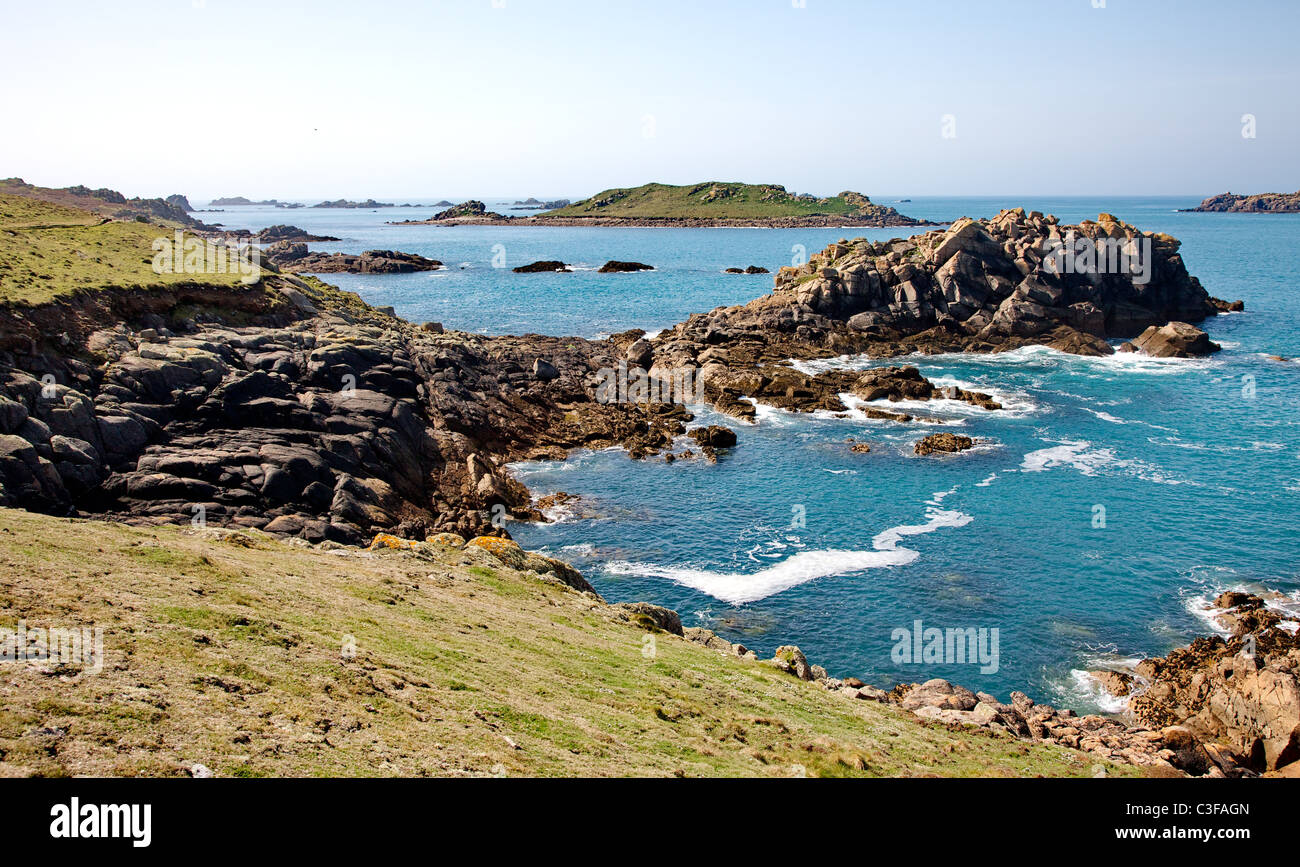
(289, 418)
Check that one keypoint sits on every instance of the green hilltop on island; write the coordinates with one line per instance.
(733, 201)
(711, 203)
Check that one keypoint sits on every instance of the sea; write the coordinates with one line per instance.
(1100, 512)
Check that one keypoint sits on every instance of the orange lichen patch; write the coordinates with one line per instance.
(503, 549)
(388, 540)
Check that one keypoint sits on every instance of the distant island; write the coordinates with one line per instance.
(236, 201)
(531, 204)
(344, 203)
(338, 203)
(1259, 203)
(711, 203)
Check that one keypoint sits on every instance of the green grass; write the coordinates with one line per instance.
(50, 252)
(463, 667)
(714, 200)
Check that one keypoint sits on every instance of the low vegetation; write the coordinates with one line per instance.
(50, 251)
(711, 200)
(254, 657)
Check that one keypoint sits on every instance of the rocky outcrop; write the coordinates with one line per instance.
(752, 269)
(714, 435)
(295, 258)
(981, 286)
(278, 234)
(735, 388)
(315, 416)
(946, 443)
(544, 267)
(1240, 694)
(652, 617)
(472, 211)
(1175, 340)
(615, 267)
(1259, 203)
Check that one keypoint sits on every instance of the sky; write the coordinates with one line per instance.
(562, 98)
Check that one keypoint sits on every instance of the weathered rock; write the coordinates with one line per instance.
(1175, 340)
(943, 442)
(653, 616)
(615, 267)
(544, 267)
(1222, 693)
(295, 258)
(714, 435)
(1266, 203)
(793, 660)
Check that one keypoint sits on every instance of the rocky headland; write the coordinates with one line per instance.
(1258, 203)
(108, 203)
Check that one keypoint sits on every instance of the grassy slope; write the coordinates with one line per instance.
(227, 651)
(711, 200)
(50, 251)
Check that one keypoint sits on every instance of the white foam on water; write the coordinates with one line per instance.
(1015, 404)
(920, 410)
(812, 367)
(1206, 583)
(739, 587)
(1079, 455)
(585, 549)
(1120, 362)
(1076, 455)
(1180, 443)
(1086, 689)
(1105, 416)
(561, 513)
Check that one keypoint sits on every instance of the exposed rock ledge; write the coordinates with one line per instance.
(294, 258)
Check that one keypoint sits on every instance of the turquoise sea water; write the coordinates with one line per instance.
(1193, 464)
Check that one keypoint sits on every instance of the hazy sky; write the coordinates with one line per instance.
(549, 98)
